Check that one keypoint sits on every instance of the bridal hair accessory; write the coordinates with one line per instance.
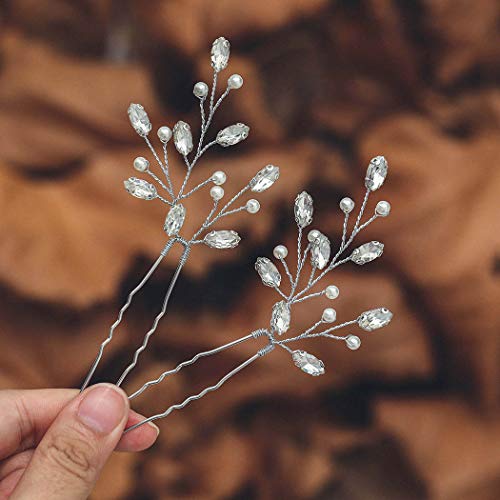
(317, 249)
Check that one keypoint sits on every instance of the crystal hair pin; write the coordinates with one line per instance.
(317, 246)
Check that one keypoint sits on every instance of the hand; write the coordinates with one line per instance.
(55, 442)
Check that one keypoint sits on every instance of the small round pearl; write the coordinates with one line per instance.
(235, 81)
(346, 205)
(164, 134)
(280, 251)
(329, 315)
(332, 292)
(217, 192)
(252, 206)
(219, 177)
(353, 342)
(383, 208)
(141, 164)
(200, 90)
(313, 235)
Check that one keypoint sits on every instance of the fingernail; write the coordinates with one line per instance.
(102, 409)
(155, 427)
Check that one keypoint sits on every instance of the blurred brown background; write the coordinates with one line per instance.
(414, 414)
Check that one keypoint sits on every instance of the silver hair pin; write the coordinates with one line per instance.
(144, 190)
(319, 250)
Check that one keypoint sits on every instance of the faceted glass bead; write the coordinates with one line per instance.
(308, 363)
(220, 53)
(367, 252)
(139, 119)
(376, 173)
(303, 209)
(183, 139)
(140, 188)
(374, 319)
(320, 251)
(280, 318)
(268, 272)
(174, 220)
(232, 135)
(264, 179)
(222, 239)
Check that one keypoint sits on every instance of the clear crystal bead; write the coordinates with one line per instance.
(280, 318)
(222, 239)
(308, 363)
(139, 119)
(367, 252)
(303, 209)
(140, 188)
(320, 251)
(376, 173)
(174, 220)
(374, 319)
(268, 272)
(265, 178)
(232, 135)
(220, 53)
(183, 138)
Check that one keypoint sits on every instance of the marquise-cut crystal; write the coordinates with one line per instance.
(308, 363)
(183, 138)
(140, 188)
(376, 173)
(222, 239)
(265, 178)
(220, 53)
(280, 318)
(232, 135)
(139, 119)
(320, 251)
(268, 272)
(367, 252)
(303, 209)
(174, 220)
(374, 319)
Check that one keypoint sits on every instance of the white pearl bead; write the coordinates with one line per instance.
(353, 342)
(332, 292)
(164, 134)
(217, 192)
(235, 81)
(383, 208)
(141, 164)
(280, 252)
(200, 90)
(346, 205)
(219, 177)
(252, 206)
(313, 235)
(329, 315)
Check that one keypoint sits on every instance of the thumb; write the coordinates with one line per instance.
(68, 460)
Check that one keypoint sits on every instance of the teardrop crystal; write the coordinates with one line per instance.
(367, 252)
(280, 318)
(222, 239)
(174, 220)
(308, 363)
(139, 119)
(140, 188)
(374, 319)
(232, 135)
(320, 251)
(265, 178)
(303, 209)
(183, 138)
(268, 272)
(220, 53)
(376, 173)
